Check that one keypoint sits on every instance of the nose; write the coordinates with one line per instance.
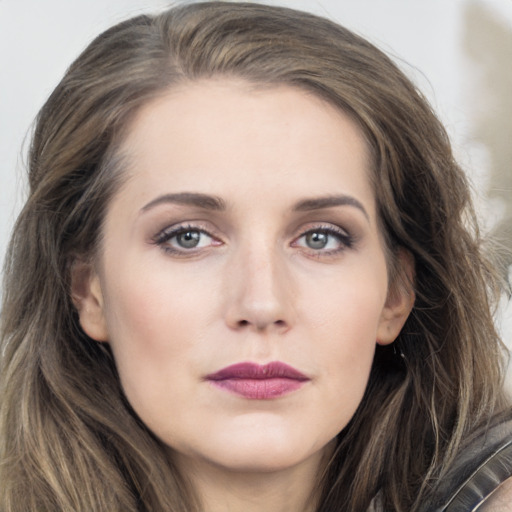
(260, 292)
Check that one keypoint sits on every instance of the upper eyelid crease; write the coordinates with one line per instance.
(171, 231)
(330, 230)
(329, 227)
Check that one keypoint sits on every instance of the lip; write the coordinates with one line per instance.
(258, 382)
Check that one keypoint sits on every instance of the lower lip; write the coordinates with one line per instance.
(259, 389)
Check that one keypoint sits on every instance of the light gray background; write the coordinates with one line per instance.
(459, 52)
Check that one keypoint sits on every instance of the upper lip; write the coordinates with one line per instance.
(248, 370)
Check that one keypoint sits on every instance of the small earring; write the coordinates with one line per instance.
(401, 353)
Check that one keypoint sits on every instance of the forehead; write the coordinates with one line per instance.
(225, 137)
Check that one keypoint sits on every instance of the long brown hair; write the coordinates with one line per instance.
(68, 438)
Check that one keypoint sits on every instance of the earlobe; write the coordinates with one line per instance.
(88, 300)
(399, 302)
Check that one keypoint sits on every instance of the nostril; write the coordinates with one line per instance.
(262, 326)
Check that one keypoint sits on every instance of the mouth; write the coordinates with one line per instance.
(258, 382)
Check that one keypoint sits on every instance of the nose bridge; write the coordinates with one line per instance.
(261, 295)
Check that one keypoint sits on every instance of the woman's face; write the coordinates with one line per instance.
(242, 282)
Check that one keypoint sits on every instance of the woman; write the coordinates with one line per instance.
(247, 277)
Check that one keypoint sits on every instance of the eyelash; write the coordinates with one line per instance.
(163, 238)
(345, 240)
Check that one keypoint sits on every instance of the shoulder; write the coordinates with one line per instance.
(500, 500)
(481, 476)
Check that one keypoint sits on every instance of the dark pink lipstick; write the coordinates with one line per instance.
(258, 382)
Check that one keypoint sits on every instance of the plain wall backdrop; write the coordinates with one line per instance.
(459, 52)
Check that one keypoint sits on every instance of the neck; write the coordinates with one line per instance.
(283, 490)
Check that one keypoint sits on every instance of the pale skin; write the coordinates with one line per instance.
(246, 230)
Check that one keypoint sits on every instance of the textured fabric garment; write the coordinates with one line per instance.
(483, 464)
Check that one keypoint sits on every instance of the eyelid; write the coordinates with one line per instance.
(346, 239)
(163, 236)
(324, 226)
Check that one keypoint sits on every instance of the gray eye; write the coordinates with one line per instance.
(317, 239)
(188, 239)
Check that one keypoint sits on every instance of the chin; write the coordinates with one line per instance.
(260, 453)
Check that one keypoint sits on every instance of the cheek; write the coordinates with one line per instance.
(151, 307)
(349, 345)
(153, 324)
(343, 322)
(347, 307)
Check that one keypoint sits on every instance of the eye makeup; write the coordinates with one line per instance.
(324, 240)
(191, 239)
(185, 239)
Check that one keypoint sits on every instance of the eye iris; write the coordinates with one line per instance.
(188, 239)
(317, 240)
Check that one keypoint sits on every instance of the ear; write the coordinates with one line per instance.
(400, 300)
(88, 300)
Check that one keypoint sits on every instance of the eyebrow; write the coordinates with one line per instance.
(319, 203)
(215, 203)
(204, 201)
